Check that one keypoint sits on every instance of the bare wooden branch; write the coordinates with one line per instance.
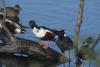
(97, 40)
(77, 31)
(3, 23)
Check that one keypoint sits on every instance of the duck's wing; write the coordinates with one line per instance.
(10, 26)
(52, 30)
(67, 39)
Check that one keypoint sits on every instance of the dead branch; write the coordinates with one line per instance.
(77, 31)
(3, 23)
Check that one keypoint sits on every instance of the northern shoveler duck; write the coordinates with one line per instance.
(43, 33)
(86, 45)
(64, 42)
(12, 11)
(13, 27)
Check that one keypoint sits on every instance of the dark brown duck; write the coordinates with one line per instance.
(12, 11)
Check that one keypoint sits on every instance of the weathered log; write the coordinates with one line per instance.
(31, 48)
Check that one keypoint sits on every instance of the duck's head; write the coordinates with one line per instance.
(17, 7)
(23, 30)
(32, 24)
(61, 33)
(88, 41)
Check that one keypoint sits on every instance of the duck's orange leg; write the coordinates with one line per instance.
(42, 44)
(46, 46)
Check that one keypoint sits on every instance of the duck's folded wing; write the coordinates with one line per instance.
(52, 30)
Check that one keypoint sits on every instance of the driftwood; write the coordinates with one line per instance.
(31, 48)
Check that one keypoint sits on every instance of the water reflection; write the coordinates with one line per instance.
(20, 62)
(16, 61)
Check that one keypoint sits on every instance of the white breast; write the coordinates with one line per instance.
(40, 32)
(65, 35)
(18, 30)
(7, 20)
